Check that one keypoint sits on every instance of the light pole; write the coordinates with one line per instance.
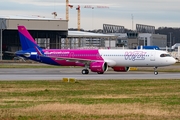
(132, 21)
(1, 43)
(3, 26)
(170, 41)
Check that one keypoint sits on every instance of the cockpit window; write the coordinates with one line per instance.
(165, 55)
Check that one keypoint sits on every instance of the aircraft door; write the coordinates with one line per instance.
(153, 53)
(72, 54)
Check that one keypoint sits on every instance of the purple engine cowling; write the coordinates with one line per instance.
(100, 67)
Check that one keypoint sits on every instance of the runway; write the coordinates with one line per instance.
(59, 73)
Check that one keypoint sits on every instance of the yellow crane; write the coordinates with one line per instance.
(67, 18)
(79, 15)
(67, 10)
(78, 8)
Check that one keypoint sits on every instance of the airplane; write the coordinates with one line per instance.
(96, 60)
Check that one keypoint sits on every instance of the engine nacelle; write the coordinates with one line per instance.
(99, 67)
(120, 69)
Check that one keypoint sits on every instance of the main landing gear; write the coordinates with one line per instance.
(155, 71)
(85, 71)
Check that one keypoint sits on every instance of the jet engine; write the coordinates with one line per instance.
(120, 69)
(99, 67)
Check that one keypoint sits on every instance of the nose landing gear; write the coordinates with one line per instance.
(155, 71)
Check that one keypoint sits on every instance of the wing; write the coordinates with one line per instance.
(77, 60)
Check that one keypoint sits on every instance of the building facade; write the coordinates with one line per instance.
(144, 39)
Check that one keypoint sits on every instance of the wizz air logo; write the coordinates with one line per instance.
(136, 55)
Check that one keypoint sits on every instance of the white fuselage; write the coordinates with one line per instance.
(136, 58)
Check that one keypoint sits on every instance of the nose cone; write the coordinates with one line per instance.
(173, 61)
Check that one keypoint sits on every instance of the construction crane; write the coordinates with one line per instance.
(67, 10)
(79, 15)
(55, 14)
(78, 8)
(67, 18)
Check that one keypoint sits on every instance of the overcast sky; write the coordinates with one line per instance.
(158, 13)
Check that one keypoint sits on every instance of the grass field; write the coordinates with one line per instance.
(90, 100)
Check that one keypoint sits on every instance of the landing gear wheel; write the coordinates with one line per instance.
(85, 71)
(156, 72)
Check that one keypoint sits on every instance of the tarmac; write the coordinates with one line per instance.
(11, 74)
(60, 73)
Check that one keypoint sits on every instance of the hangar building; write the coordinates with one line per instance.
(47, 32)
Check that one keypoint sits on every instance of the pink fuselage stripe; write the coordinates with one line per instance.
(78, 54)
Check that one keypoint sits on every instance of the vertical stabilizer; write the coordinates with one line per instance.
(27, 42)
